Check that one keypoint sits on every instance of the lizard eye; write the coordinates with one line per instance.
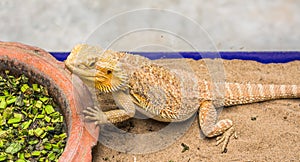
(92, 64)
(108, 72)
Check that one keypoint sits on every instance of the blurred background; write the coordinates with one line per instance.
(57, 25)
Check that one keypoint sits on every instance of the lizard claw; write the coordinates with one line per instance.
(225, 138)
(95, 115)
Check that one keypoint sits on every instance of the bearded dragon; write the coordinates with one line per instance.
(164, 94)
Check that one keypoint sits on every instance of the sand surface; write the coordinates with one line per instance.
(267, 131)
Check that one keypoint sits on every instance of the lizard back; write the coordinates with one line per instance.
(169, 95)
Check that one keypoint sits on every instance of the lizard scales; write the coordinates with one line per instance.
(237, 94)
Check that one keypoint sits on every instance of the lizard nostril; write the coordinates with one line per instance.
(109, 72)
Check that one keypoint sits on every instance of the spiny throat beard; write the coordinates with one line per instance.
(111, 84)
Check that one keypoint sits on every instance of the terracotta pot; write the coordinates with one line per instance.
(44, 69)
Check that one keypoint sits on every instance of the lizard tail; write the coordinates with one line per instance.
(249, 93)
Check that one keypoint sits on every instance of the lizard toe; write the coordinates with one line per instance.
(87, 113)
(92, 109)
(224, 138)
(91, 118)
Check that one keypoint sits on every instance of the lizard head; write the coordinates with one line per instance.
(81, 62)
(97, 67)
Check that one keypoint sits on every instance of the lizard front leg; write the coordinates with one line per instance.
(212, 128)
(123, 101)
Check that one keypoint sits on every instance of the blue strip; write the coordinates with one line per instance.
(263, 56)
(61, 56)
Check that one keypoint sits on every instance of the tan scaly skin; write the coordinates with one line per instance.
(164, 94)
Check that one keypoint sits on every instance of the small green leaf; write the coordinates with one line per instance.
(47, 119)
(21, 155)
(48, 146)
(63, 135)
(1, 143)
(3, 156)
(44, 99)
(38, 132)
(36, 153)
(7, 113)
(61, 119)
(55, 146)
(13, 148)
(27, 155)
(42, 159)
(44, 152)
(40, 116)
(51, 156)
(49, 128)
(49, 109)
(24, 87)
(55, 115)
(31, 132)
(33, 142)
(35, 87)
(14, 120)
(17, 115)
(38, 104)
(43, 135)
(11, 100)
(3, 103)
(26, 124)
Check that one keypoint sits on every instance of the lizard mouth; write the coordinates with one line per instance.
(88, 74)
